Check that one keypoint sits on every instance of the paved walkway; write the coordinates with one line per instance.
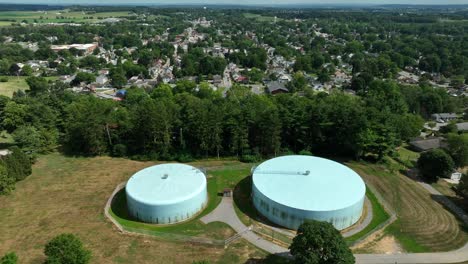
(364, 223)
(225, 213)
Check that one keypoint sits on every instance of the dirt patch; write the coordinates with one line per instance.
(378, 243)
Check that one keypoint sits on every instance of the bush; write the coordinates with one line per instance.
(305, 152)
(18, 164)
(9, 258)
(249, 158)
(3, 79)
(184, 158)
(119, 150)
(434, 164)
(7, 182)
(66, 249)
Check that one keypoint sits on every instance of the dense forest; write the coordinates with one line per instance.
(186, 121)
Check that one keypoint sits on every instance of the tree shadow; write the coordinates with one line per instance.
(459, 202)
(280, 258)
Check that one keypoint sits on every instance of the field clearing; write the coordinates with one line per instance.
(57, 16)
(16, 83)
(260, 18)
(68, 194)
(424, 224)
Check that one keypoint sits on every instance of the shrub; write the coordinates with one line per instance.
(119, 150)
(9, 258)
(305, 152)
(184, 157)
(249, 158)
(3, 79)
(66, 249)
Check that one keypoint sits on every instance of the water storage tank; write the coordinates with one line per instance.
(166, 193)
(290, 189)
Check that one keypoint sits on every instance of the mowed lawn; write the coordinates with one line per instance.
(424, 224)
(14, 84)
(68, 194)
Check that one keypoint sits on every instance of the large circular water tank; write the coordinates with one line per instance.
(166, 193)
(291, 189)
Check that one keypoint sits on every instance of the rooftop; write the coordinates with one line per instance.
(166, 184)
(309, 183)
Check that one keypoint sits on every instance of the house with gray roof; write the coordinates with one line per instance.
(425, 144)
(276, 87)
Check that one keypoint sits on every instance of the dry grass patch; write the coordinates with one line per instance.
(66, 194)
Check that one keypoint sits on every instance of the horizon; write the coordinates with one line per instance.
(238, 3)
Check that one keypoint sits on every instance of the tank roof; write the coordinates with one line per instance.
(166, 184)
(308, 183)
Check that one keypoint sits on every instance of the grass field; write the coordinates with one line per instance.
(261, 18)
(14, 84)
(407, 157)
(68, 194)
(54, 16)
(423, 223)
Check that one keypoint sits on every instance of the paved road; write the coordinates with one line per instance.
(225, 213)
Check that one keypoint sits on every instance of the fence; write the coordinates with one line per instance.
(162, 235)
(272, 235)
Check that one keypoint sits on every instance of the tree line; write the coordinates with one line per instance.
(190, 120)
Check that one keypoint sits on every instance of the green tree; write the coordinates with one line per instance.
(320, 243)
(117, 76)
(7, 182)
(9, 258)
(84, 77)
(434, 164)
(14, 116)
(26, 70)
(36, 140)
(17, 164)
(37, 85)
(66, 249)
(458, 149)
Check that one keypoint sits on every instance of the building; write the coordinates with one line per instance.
(276, 88)
(444, 117)
(291, 189)
(422, 144)
(86, 48)
(166, 193)
(462, 126)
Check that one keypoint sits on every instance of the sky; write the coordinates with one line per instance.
(236, 2)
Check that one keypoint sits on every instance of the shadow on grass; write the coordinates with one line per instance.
(119, 206)
(242, 198)
(459, 207)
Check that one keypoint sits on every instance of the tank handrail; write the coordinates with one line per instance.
(307, 172)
